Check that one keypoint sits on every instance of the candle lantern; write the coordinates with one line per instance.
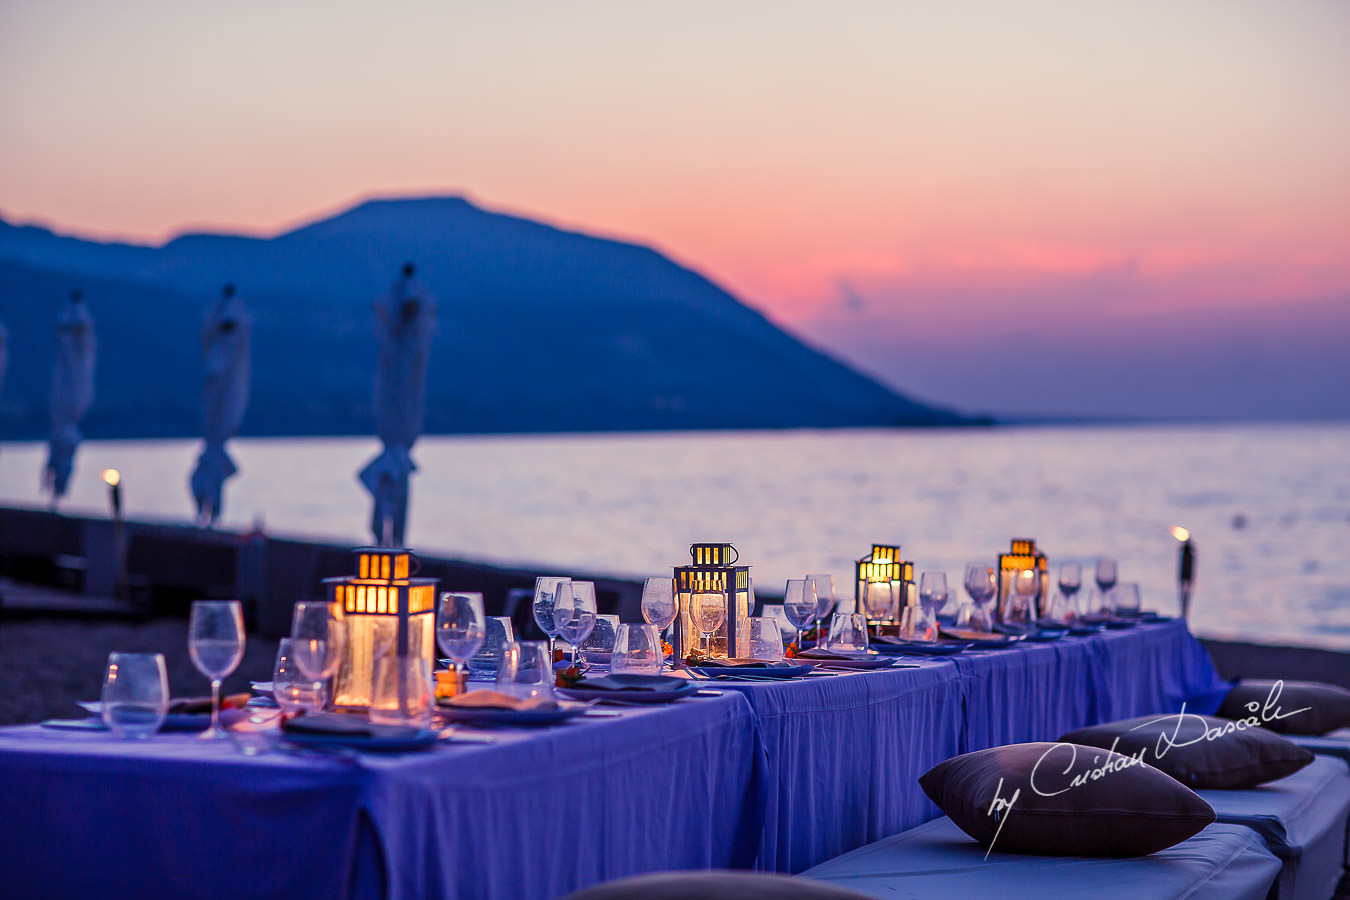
(1021, 556)
(713, 569)
(384, 610)
(882, 564)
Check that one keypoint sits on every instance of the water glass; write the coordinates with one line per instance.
(776, 612)
(135, 694)
(461, 626)
(292, 687)
(1125, 599)
(574, 612)
(497, 633)
(545, 595)
(658, 602)
(637, 651)
(216, 646)
(599, 645)
(401, 692)
(318, 634)
(918, 623)
(766, 641)
(972, 616)
(848, 633)
(526, 671)
(1019, 607)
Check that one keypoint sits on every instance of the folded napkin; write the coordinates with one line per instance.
(498, 700)
(734, 663)
(817, 653)
(347, 725)
(631, 683)
(193, 705)
(965, 634)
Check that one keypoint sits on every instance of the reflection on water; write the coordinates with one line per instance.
(1269, 506)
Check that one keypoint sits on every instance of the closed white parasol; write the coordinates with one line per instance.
(72, 392)
(225, 349)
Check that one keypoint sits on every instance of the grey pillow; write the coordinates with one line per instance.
(1327, 707)
(1200, 751)
(714, 885)
(1082, 802)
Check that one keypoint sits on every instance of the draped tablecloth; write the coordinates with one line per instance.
(773, 775)
(533, 815)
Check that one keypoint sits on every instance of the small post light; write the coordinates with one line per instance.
(1023, 555)
(384, 610)
(1186, 570)
(113, 479)
(883, 564)
(713, 568)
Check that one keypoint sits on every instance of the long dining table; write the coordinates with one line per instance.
(769, 775)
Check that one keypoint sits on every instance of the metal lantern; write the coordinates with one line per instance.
(882, 564)
(713, 569)
(383, 611)
(1023, 555)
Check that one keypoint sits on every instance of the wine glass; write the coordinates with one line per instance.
(878, 598)
(216, 646)
(461, 626)
(800, 604)
(980, 585)
(766, 641)
(1125, 599)
(825, 601)
(598, 647)
(1070, 578)
(1020, 607)
(1106, 580)
(401, 692)
(658, 602)
(292, 687)
(317, 636)
(545, 595)
(710, 611)
(933, 591)
(135, 695)
(637, 651)
(574, 612)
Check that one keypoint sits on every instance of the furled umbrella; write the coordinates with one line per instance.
(405, 319)
(226, 353)
(72, 391)
(4, 354)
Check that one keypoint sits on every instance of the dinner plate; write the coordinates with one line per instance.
(776, 672)
(665, 695)
(421, 740)
(172, 722)
(923, 648)
(869, 662)
(484, 715)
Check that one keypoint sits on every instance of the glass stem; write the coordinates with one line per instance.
(215, 705)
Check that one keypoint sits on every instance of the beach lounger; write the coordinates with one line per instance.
(1303, 820)
(937, 860)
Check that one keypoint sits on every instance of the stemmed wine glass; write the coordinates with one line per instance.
(545, 595)
(878, 599)
(710, 611)
(1070, 581)
(461, 627)
(825, 602)
(933, 591)
(800, 604)
(1106, 579)
(658, 602)
(317, 639)
(1020, 607)
(980, 585)
(216, 646)
(574, 612)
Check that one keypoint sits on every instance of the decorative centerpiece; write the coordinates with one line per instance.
(882, 565)
(384, 610)
(713, 580)
(1023, 556)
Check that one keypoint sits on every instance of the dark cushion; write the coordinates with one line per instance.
(1200, 751)
(715, 885)
(1082, 801)
(1289, 707)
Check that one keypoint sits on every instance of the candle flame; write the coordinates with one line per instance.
(112, 476)
(1180, 533)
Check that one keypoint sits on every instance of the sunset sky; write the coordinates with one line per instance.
(1072, 208)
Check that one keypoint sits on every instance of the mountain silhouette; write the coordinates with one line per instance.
(541, 329)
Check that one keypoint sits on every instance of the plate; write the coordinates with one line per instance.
(422, 740)
(173, 721)
(774, 672)
(661, 696)
(262, 687)
(479, 715)
(923, 648)
(873, 662)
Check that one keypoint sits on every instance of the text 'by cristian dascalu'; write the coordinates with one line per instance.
(1260, 713)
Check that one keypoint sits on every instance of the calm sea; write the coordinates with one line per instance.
(1269, 506)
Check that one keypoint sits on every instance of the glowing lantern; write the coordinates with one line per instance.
(1023, 555)
(713, 570)
(384, 610)
(882, 564)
